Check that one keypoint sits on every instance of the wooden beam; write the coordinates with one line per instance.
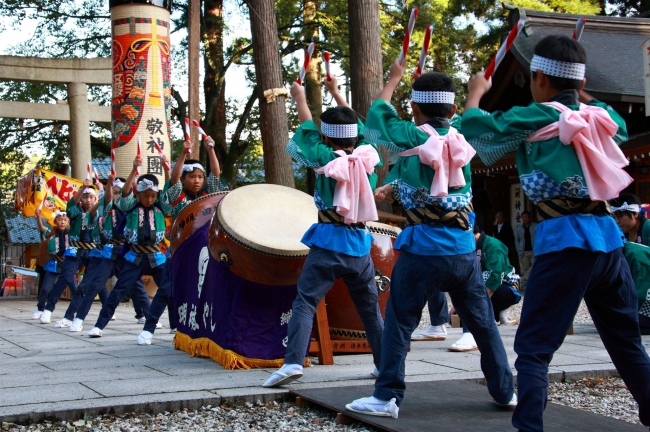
(47, 111)
(193, 70)
(56, 71)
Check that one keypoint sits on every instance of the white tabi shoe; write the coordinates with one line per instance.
(158, 325)
(77, 325)
(466, 343)
(64, 323)
(172, 331)
(374, 407)
(431, 333)
(375, 373)
(144, 338)
(142, 320)
(114, 317)
(95, 332)
(286, 374)
(37, 314)
(46, 317)
(512, 403)
(504, 319)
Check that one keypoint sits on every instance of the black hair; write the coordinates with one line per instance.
(191, 162)
(477, 228)
(152, 178)
(564, 49)
(435, 81)
(630, 199)
(341, 115)
(525, 212)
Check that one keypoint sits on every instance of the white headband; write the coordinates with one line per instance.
(118, 183)
(192, 167)
(442, 97)
(339, 130)
(627, 207)
(575, 71)
(145, 184)
(58, 213)
(90, 191)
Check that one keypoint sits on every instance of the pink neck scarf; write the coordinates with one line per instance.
(353, 196)
(447, 155)
(590, 131)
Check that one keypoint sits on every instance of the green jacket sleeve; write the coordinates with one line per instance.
(494, 263)
(72, 209)
(307, 147)
(384, 127)
(46, 232)
(638, 258)
(125, 203)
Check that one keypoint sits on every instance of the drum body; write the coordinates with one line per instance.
(194, 216)
(257, 229)
(343, 319)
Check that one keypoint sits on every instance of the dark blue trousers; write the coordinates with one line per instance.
(417, 279)
(128, 277)
(69, 269)
(94, 283)
(501, 299)
(163, 299)
(557, 283)
(321, 269)
(438, 309)
(49, 279)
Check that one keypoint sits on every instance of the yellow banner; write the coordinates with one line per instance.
(46, 188)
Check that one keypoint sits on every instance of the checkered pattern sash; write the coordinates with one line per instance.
(57, 258)
(145, 249)
(433, 214)
(330, 216)
(563, 206)
(82, 245)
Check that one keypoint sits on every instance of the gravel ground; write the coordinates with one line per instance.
(605, 396)
(514, 312)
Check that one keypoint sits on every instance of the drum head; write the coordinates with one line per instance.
(268, 218)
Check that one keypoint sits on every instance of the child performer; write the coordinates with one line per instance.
(340, 242)
(143, 226)
(192, 185)
(437, 248)
(501, 282)
(80, 244)
(578, 247)
(105, 259)
(631, 219)
(57, 244)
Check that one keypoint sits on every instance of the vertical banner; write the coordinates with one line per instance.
(517, 204)
(646, 74)
(141, 101)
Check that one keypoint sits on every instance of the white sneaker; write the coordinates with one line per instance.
(512, 403)
(464, 344)
(114, 317)
(95, 332)
(77, 325)
(158, 325)
(504, 319)
(142, 320)
(172, 331)
(64, 323)
(144, 338)
(375, 373)
(37, 314)
(431, 333)
(46, 317)
(286, 374)
(375, 407)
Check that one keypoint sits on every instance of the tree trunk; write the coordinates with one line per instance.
(314, 86)
(214, 83)
(366, 70)
(194, 20)
(268, 71)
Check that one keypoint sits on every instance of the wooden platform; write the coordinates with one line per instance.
(454, 406)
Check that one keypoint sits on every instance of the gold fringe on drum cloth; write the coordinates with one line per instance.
(204, 347)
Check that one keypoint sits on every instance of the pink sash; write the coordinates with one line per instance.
(447, 155)
(590, 131)
(353, 195)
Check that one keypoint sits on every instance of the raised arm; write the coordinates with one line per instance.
(166, 171)
(39, 222)
(80, 191)
(128, 184)
(178, 168)
(396, 72)
(298, 94)
(477, 87)
(333, 88)
(212, 157)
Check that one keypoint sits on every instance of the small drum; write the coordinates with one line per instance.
(342, 317)
(257, 231)
(194, 216)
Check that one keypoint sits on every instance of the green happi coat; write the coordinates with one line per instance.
(494, 262)
(638, 258)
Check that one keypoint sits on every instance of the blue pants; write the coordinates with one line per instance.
(69, 269)
(438, 309)
(128, 277)
(94, 282)
(321, 269)
(502, 298)
(49, 279)
(557, 283)
(163, 299)
(417, 279)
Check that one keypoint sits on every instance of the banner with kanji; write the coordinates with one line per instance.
(45, 189)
